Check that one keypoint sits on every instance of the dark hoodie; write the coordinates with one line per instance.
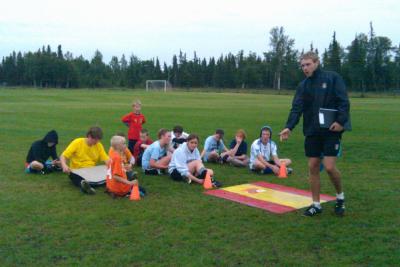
(40, 151)
(324, 89)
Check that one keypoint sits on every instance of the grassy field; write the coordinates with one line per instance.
(45, 221)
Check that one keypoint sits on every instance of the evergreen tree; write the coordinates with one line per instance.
(157, 70)
(175, 71)
(356, 62)
(98, 72)
(59, 52)
(334, 58)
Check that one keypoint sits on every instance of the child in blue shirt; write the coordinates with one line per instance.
(156, 157)
(214, 147)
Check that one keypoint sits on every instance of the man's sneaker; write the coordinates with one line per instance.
(216, 184)
(312, 210)
(86, 188)
(339, 207)
(289, 171)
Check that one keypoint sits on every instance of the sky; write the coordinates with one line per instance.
(161, 28)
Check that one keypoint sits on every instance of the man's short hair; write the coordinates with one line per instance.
(144, 131)
(116, 140)
(161, 132)
(310, 55)
(178, 129)
(95, 132)
(220, 132)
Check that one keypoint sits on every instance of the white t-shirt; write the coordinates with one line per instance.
(266, 150)
(175, 142)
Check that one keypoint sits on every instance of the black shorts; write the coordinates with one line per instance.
(131, 144)
(316, 146)
(176, 176)
(139, 160)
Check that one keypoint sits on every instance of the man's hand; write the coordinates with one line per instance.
(284, 134)
(336, 127)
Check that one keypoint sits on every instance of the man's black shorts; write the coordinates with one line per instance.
(317, 145)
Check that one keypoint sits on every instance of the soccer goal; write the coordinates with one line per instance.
(158, 85)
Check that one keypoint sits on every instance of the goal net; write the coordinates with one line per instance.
(158, 85)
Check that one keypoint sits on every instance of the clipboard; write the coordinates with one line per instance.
(327, 116)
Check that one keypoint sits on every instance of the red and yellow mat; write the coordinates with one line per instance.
(271, 197)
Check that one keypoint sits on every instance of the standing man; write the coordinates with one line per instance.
(326, 90)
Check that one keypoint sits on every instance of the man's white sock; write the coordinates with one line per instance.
(317, 204)
(340, 196)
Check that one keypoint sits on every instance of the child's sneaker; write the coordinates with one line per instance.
(132, 175)
(312, 210)
(86, 188)
(339, 207)
(187, 179)
(267, 170)
(216, 184)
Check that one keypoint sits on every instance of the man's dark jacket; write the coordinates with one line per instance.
(324, 89)
(40, 151)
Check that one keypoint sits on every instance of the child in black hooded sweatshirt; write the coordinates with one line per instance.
(37, 160)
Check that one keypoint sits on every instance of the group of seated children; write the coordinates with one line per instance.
(175, 152)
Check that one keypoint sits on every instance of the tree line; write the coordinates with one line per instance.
(369, 63)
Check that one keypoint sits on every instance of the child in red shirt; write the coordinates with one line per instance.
(141, 145)
(134, 121)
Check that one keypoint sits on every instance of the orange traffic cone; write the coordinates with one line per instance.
(282, 170)
(135, 194)
(207, 181)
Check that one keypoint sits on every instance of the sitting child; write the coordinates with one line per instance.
(83, 153)
(214, 147)
(141, 146)
(127, 159)
(156, 157)
(178, 136)
(37, 160)
(117, 181)
(237, 155)
(264, 156)
(186, 163)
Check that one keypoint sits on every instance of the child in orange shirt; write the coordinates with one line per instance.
(134, 120)
(116, 181)
(128, 159)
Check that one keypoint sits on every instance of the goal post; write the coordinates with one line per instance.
(157, 85)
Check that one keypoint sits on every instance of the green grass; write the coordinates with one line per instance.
(45, 221)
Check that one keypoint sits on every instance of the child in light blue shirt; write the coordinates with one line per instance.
(214, 147)
(155, 158)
